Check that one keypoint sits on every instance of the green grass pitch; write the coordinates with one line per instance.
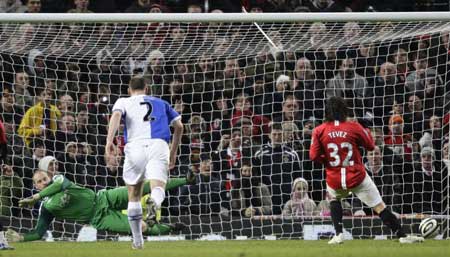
(249, 248)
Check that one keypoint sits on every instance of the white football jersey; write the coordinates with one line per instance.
(145, 117)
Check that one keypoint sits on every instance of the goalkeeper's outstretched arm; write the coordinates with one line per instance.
(44, 221)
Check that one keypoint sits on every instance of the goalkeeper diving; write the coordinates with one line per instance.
(63, 199)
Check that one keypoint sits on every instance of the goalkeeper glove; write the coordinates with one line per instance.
(30, 201)
(12, 236)
(190, 178)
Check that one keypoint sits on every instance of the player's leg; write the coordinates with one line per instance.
(368, 193)
(113, 221)
(134, 177)
(178, 182)
(134, 211)
(389, 219)
(155, 200)
(172, 183)
(117, 198)
(116, 221)
(157, 172)
(336, 214)
(161, 229)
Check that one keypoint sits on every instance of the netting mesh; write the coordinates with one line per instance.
(231, 83)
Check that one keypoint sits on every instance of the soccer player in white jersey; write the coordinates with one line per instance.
(147, 121)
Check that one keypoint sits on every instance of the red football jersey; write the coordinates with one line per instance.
(335, 144)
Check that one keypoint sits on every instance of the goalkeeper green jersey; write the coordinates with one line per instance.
(65, 200)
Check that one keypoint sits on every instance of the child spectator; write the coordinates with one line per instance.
(300, 203)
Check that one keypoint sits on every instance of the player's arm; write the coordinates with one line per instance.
(44, 221)
(114, 124)
(176, 139)
(175, 120)
(315, 151)
(366, 139)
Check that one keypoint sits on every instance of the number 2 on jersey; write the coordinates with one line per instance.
(334, 154)
(147, 116)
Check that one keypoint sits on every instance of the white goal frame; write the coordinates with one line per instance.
(224, 17)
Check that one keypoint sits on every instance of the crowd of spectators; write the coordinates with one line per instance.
(248, 119)
(198, 6)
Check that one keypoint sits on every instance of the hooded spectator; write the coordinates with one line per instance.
(300, 203)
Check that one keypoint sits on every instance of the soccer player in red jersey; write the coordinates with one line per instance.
(335, 144)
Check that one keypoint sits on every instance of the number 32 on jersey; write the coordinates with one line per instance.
(335, 154)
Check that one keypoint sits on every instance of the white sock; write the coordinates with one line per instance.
(135, 220)
(158, 194)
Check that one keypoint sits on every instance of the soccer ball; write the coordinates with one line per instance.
(429, 228)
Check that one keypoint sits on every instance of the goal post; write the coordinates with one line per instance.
(237, 79)
(227, 17)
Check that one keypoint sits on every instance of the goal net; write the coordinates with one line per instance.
(249, 91)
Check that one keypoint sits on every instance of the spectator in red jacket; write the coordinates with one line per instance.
(397, 141)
